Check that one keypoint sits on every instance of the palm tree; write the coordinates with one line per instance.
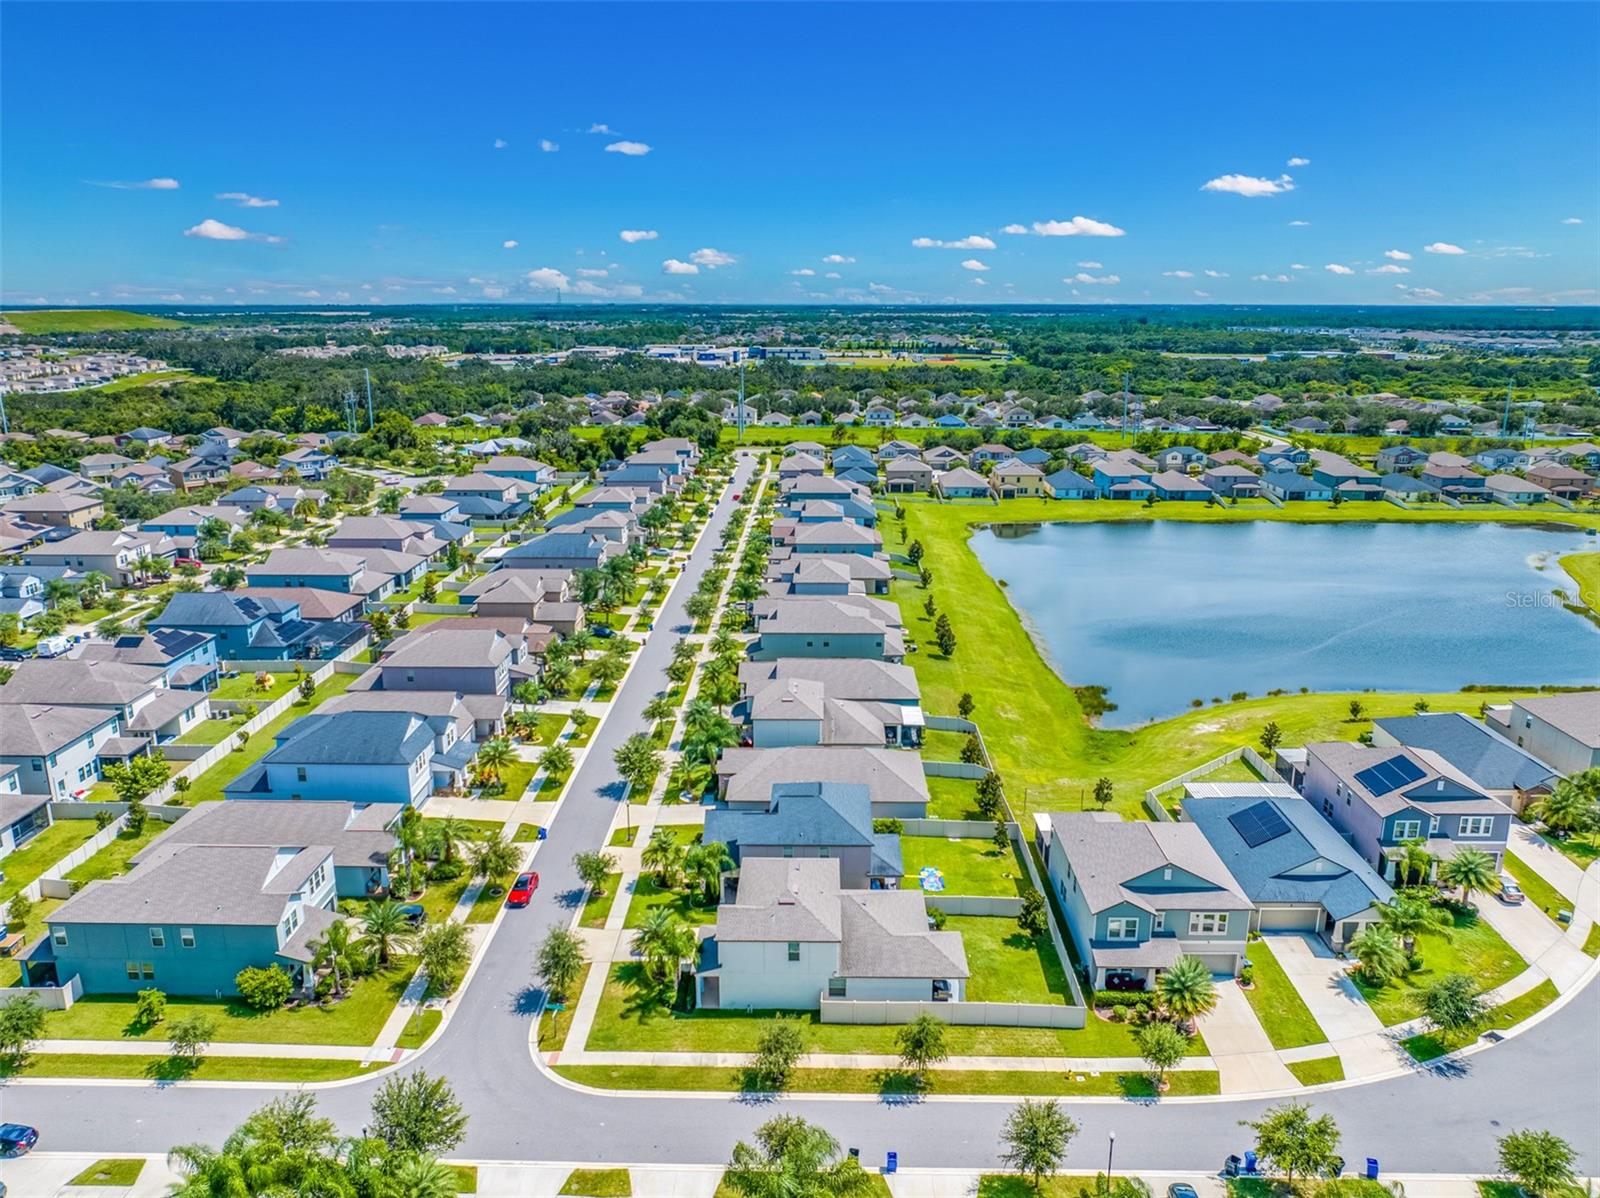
(658, 709)
(1186, 990)
(723, 642)
(495, 857)
(1380, 952)
(1409, 917)
(422, 1177)
(446, 832)
(706, 863)
(664, 854)
(385, 929)
(705, 740)
(556, 761)
(580, 643)
(663, 940)
(409, 841)
(696, 712)
(333, 950)
(1473, 870)
(493, 756)
(1415, 863)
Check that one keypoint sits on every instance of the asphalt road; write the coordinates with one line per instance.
(1428, 1121)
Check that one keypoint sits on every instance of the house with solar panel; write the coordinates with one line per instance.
(1292, 864)
(1381, 798)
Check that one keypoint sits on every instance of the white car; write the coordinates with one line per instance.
(1510, 892)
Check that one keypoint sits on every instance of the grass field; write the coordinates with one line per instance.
(419, 1027)
(972, 867)
(1473, 948)
(685, 904)
(952, 798)
(113, 860)
(43, 851)
(1585, 571)
(1008, 966)
(86, 320)
(1283, 1013)
(151, 378)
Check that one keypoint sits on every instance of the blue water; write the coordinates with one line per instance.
(1164, 612)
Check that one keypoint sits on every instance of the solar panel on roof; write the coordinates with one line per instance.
(1258, 823)
(1389, 775)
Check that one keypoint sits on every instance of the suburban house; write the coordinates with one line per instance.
(55, 510)
(1184, 458)
(102, 465)
(799, 464)
(1231, 481)
(894, 780)
(124, 557)
(813, 820)
(286, 498)
(1014, 479)
(313, 465)
(1335, 471)
(352, 756)
(1563, 731)
(1139, 894)
(136, 694)
(185, 524)
(22, 591)
(389, 533)
(553, 551)
(246, 627)
(1295, 488)
(55, 750)
(1381, 799)
(825, 627)
(1112, 473)
(22, 817)
(1491, 762)
(1564, 482)
(189, 659)
(1452, 481)
(484, 497)
(430, 509)
(907, 476)
(958, 482)
(1181, 486)
(1296, 870)
(192, 473)
(1067, 483)
(842, 701)
(819, 574)
(540, 598)
(794, 935)
(526, 470)
(835, 536)
(1400, 457)
(942, 457)
(811, 486)
(320, 569)
(1514, 491)
(469, 660)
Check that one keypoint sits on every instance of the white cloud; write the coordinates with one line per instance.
(1443, 247)
(977, 282)
(215, 230)
(974, 241)
(1177, 274)
(500, 143)
(494, 292)
(1390, 268)
(1270, 279)
(591, 272)
(1299, 224)
(1573, 220)
(159, 184)
(547, 278)
(601, 127)
(673, 267)
(1015, 229)
(1297, 161)
(880, 288)
(508, 245)
(1078, 226)
(633, 149)
(1216, 274)
(833, 274)
(973, 264)
(1419, 292)
(804, 272)
(245, 200)
(633, 235)
(1249, 185)
(1397, 255)
(1338, 268)
(711, 259)
(1303, 266)
(1202, 294)
(838, 258)
(548, 146)
(313, 294)
(1086, 278)
(444, 290)
(1090, 265)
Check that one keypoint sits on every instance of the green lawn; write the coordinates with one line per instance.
(514, 780)
(1006, 965)
(115, 1171)
(1319, 1071)
(1539, 892)
(208, 786)
(211, 732)
(1591, 942)
(1283, 1013)
(1234, 771)
(1585, 571)
(952, 798)
(970, 867)
(597, 907)
(1582, 850)
(1474, 948)
(686, 905)
(419, 1027)
(549, 727)
(31, 930)
(623, 838)
(1033, 722)
(599, 1183)
(113, 860)
(488, 903)
(241, 688)
(356, 1019)
(159, 1068)
(557, 1022)
(43, 851)
(86, 320)
(1430, 1045)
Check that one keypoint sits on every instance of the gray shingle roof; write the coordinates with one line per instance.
(75, 682)
(39, 729)
(360, 836)
(1577, 714)
(841, 678)
(891, 776)
(469, 648)
(198, 884)
(352, 738)
(1107, 853)
(1490, 760)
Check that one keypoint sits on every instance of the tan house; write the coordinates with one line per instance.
(57, 510)
(1016, 480)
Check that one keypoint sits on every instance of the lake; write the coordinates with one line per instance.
(1163, 612)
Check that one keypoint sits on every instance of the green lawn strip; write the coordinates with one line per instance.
(1430, 1045)
(597, 906)
(241, 688)
(647, 896)
(622, 838)
(1284, 1015)
(112, 860)
(1581, 850)
(556, 1023)
(952, 798)
(87, 320)
(631, 1020)
(113, 1171)
(599, 1183)
(213, 731)
(1343, 1187)
(970, 866)
(876, 1187)
(488, 903)
(355, 1019)
(419, 1027)
(873, 1081)
(514, 780)
(1006, 964)
(466, 1178)
(208, 786)
(43, 851)
(937, 745)
(1508, 1189)
(1591, 942)
(1539, 892)
(525, 834)
(1474, 948)
(1238, 770)
(1584, 569)
(1033, 722)
(161, 1068)
(550, 727)
(440, 898)
(1318, 1071)
(477, 829)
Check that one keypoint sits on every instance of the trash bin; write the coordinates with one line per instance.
(893, 1163)
(541, 833)
(1230, 1167)
(855, 1154)
(1249, 1162)
(1372, 1168)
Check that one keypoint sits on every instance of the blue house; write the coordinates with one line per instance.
(245, 628)
(1290, 488)
(352, 756)
(865, 476)
(1284, 459)
(1069, 484)
(949, 421)
(188, 656)
(1110, 474)
(847, 456)
(321, 569)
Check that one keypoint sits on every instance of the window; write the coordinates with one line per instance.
(1159, 924)
(794, 950)
(1433, 825)
(1406, 829)
(58, 937)
(1477, 825)
(1207, 923)
(1123, 928)
(300, 773)
(788, 850)
(835, 987)
(158, 937)
(133, 970)
(1166, 876)
(186, 937)
(149, 970)
(824, 851)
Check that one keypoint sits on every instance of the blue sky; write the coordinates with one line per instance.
(265, 153)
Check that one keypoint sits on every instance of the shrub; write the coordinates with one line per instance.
(263, 989)
(445, 871)
(937, 917)
(323, 988)
(1247, 974)
(149, 1008)
(1124, 998)
(889, 826)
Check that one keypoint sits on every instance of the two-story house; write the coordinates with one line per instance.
(55, 750)
(320, 569)
(124, 557)
(352, 756)
(826, 627)
(813, 819)
(469, 660)
(1563, 730)
(831, 701)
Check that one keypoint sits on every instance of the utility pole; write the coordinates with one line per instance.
(367, 373)
(1505, 420)
(5, 425)
(738, 412)
(1124, 405)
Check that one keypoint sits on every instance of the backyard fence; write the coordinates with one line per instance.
(1152, 797)
(961, 1014)
(51, 998)
(975, 904)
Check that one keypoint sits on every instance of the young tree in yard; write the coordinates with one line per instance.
(1357, 709)
(384, 930)
(494, 755)
(659, 708)
(915, 552)
(608, 669)
(17, 911)
(1104, 792)
(1289, 1140)
(137, 779)
(188, 1038)
(495, 857)
(308, 688)
(972, 750)
(1162, 1046)
(137, 817)
(430, 590)
(149, 1008)
(1453, 1004)
(638, 760)
(944, 636)
(560, 961)
(1001, 839)
(1472, 871)
(922, 1045)
(964, 705)
(989, 795)
(1185, 989)
(1271, 736)
(381, 624)
(444, 951)
(930, 606)
(333, 950)
(556, 761)
(594, 868)
(925, 578)
(1409, 917)
(1383, 958)
(1032, 920)
(21, 1023)
(777, 1052)
(1539, 1161)
(417, 1113)
(793, 1159)
(1035, 1138)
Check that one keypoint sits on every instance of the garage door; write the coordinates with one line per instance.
(1291, 919)
(1225, 964)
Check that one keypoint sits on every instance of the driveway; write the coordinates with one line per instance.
(1354, 1031)
(1550, 864)
(1245, 1059)
(1538, 940)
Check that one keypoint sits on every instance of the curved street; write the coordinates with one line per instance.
(1444, 1119)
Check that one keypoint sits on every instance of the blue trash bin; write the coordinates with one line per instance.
(1372, 1168)
(893, 1163)
(541, 833)
(1250, 1162)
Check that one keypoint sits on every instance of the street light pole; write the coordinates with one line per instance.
(1111, 1150)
